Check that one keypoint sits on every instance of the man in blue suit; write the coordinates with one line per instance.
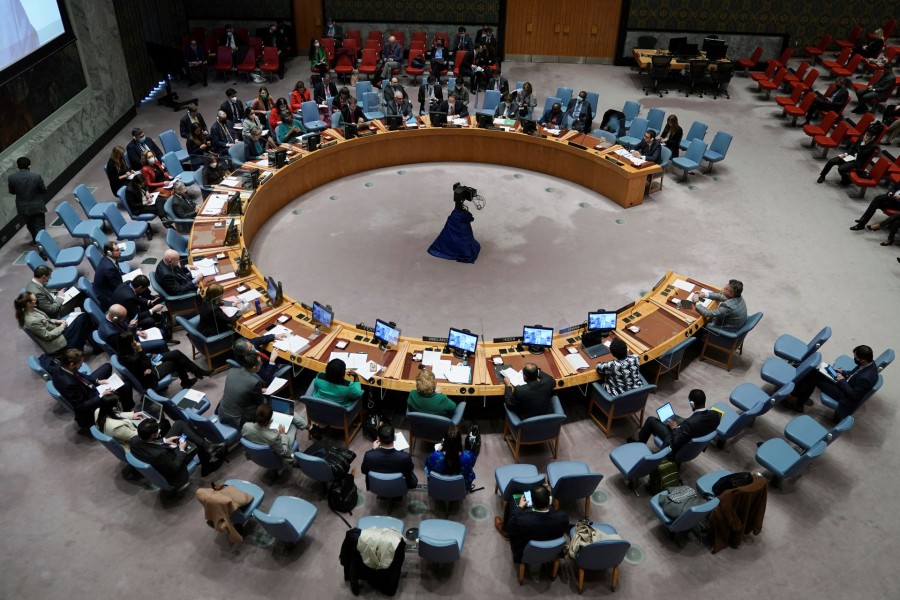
(848, 387)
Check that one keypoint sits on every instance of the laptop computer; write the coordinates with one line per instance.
(597, 350)
(282, 412)
(151, 410)
(665, 412)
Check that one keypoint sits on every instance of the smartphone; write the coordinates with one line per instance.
(527, 495)
(183, 438)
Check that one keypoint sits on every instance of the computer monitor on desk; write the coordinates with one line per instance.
(438, 119)
(394, 122)
(710, 41)
(537, 338)
(462, 342)
(716, 52)
(676, 43)
(322, 315)
(603, 322)
(385, 333)
(687, 51)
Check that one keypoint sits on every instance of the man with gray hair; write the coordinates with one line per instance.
(221, 134)
(175, 279)
(392, 56)
(183, 205)
(731, 313)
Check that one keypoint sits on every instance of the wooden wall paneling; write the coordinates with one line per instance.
(563, 28)
(605, 15)
(308, 23)
(519, 17)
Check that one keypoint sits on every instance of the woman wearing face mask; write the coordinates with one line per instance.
(300, 95)
(139, 200)
(317, 60)
(263, 103)
(214, 172)
(281, 105)
(155, 175)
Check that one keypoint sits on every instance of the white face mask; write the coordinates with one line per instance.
(151, 160)
(213, 165)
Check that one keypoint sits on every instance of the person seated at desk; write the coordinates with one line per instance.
(578, 113)
(198, 144)
(243, 392)
(676, 432)
(169, 456)
(243, 347)
(149, 371)
(352, 113)
(48, 302)
(553, 118)
(671, 135)
(289, 130)
(213, 319)
(430, 95)
(174, 278)
(508, 108)
(155, 176)
(53, 335)
(391, 90)
(384, 458)
(332, 386)
(541, 522)
(233, 106)
(263, 103)
(215, 172)
(192, 117)
(461, 92)
(427, 398)
(281, 105)
(449, 458)
(731, 313)
(533, 398)
(398, 107)
(80, 390)
(835, 101)
(117, 170)
(116, 423)
(251, 120)
(324, 87)
(340, 101)
(256, 146)
(183, 205)
(648, 148)
(453, 107)
(280, 440)
(299, 95)
(498, 83)
(621, 374)
(221, 137)
(848, 388)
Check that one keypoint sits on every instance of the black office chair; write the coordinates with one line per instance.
(698, 76)
(721, 77)
(660, 68)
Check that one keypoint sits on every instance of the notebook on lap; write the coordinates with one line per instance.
(282, 412)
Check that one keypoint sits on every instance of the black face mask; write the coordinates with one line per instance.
(856, 361)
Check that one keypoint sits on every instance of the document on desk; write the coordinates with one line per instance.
(515, 377)
(353, 360)
(366, 371)
(460, 374)
(214, 204)
(295, 344)
(681, 284)
(429, 357)
(577, 361)
(208, 271)
(131, 275)
(226, 276)
(232, 182)
(280, 330)
(153, 333)
(277, 384)
(113, 382)
(461, 121)
(249, 296)
(230, 311)
(550, 131)
(441, 369)
(626, 155)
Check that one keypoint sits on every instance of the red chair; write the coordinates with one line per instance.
(457, 60)
(328, 44)
(211, 44)
(851, 39)
(417, 45)
(795, 112)
(807, 83)
(888, 28)
(827, 142)
(241, 33)
(224, 62)
(354, 34)
(785, 57)
(418, 36)
(269, 61)
(750, 63)
(769, 73)
(793, 77)
(890, 54)
(792, 100)
(411, 70)
(372, 44)
(344, 65)
(352, 46)
(849, 69)
(376, 35)
(257, 44)
(840, 61)
(857, 130)
(872, 178)
(822, 129)
(369, 63)
(400, 37)
(249, 63)
(875, 77)
(444, 36)
(772, 84)
(198, 33)
(817, 51)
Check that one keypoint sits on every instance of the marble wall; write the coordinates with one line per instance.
(61, 140)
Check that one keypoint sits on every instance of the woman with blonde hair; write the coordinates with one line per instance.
(427, 398)
(117, 170)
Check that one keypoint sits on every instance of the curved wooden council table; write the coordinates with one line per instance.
(659, 324)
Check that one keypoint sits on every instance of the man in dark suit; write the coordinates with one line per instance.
(80, 390)
(678, 432)
(391, 57)
(324, 87)
(848, 388)
(242, 393)
(399, 106)
(276, 39)
(187, 121)
(649, 147)
(107, 275)
(233, 107)
(876, 92)
(28, 188)
(222, 134)
(135, 296)
(579, 116)
(498, 83)
(533, 398)
(173, 278)
(115, 322)
(453, 107)
(554, 118)
(539, 523)
(485, 37)
(195, 57)
(169, 456)
(835, 101)
(430, 95)
(139, 144)
(383, 458)
(462, 41)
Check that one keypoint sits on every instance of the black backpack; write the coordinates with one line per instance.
(343, 494)
(472, 443)
(729, 482)
(665, 476)
(339, 460)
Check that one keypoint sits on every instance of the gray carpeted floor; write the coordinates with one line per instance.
(74, 527)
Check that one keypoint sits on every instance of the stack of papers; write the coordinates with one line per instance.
(627, 155)
(232, 182)
(214, 204)
(154, 333)
(577, 361)
(250, 296)
(515, 377)
(400, 442)
(430, 357)
(441, 369)
(70, 293)
(113, 382)
(551, 131)
(294, 344)
(230, 311)
(369, 370)
(460, 374)
(353, 360)
(461, 121)
(280, 330)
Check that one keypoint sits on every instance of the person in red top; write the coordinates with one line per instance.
(275, 113)
(299, 96)
(155, 175)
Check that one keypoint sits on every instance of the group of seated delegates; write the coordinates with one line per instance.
(166, 453)
(80, 390)
(890, 200)
(139, 304)
(52, 335)
(863, 150)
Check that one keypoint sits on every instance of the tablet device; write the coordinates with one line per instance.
(665, 412)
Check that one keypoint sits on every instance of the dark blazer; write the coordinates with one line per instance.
(856, 384)
(653, 150)
(839, 97)
(504, 84)
(550, 119)
(355, 117)
(525, 525)
(213, 321)
(462, 43)
(135, 305)
(184, 125)
(863, 152)
(107, 278)
(320, 92)
(585, 117)
(533, 398)
(221, 135)
(133, 152)
(423, 94)
(29, 190)
(459, 109)
(405, 108)
(175, 280)
(170, 462)
(77, 390)
(389, 460)
(234, 117)
(241, 396)
(700, 423)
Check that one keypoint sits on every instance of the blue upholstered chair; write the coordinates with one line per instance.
(718, 149)
(181, 304)
(727, 342)
(690, 450)
(541, 552)
(288, 519)
(123, 229)
(734, 423)
(155, 477)
(490, 103)
(213, 429)
(805, 432)
(794, 350)
(534, 430)
(173, 166)
(177, 242)
(371, 106)
(314, 467)
(311, 121)
(845, 363)
(686, 521)
(515, 479)
(441, 541)
(606, 136)
(243, 513)
(85, 198)
(747, 395)
(127, 249)
(59, 257)
(85, 287)
(145, 217)
(572, 480)
(447, 488)
(362, 88)
(601, 555)
(430, 428)
(178, 406)
(691, 160)
(635, 133)
(210, 347)
(779, 372)
(655, 120)
(236, 154)
(181, 225)
(387, 485)
(109, 443)
(706, 482)
(783, 461)
(94, 257)
(697, 131)
(61, 277)
(331, 414)
(671, 359)
(612, 407)
(54, 393)
(263, 456)
(593, 98)
(381, 522)
(636, 460)
(631, 110)
(565, 96)
(75, 225)
(171, 143)
(128, 376)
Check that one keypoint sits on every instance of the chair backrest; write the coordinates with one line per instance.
(674, 356)
(173, 165)
(801, 69)
(127, 374)
(693, 448)
(808, 364)
(413, 54)
(839, 429)
(721, 142)
(522, 484)
(447, 488)
(593, 98)
(324, 411)
(85, 198)
(314, 467)
(93, 310)
(549, 102)
(278, 527)
(170, 141)
(884, 359)
(270, 55)
(698, 68)
(565, 95)
(445, 549)
(204, 427)
(109, 443)
(67, 213)
(149, 472)
(262, 455)
(48, 244)
(580, 485)
(655, 118)
(665, 155)
(646, 42)
(249, 61)
(693, 516)
(539, 552)
(386, 485)
(695, 151)
(648, 463)
(876, 173)
(236, 153)
(659, 66)
(363, 87)
(33, 260)
(609, 136)
(114, 217)
(310, 111)
(176, 241)
(370, 102)
(696, 132)
(839, 132)
(369, 56)
(223, 56)
(820, 338)
(638, 128)
(631, 109)
(427, 426)
(825, 41)
(779, 395)
(491, 100)
(602, 555)
(86, 288)
(757, 54)
(93, 254)
(542, 427)
(786, 55)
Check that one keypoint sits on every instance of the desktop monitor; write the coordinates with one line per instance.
(250, 179)
(687, 50)
(277, 158)
(272, 291)
(350, 131)
(385, 333)
(529, 126)
(393, 122)
(312, 141)
(676, 43)
(710, 41)
(438, 119)
(322, 315)
(484, 121)
(717, 52)
(462, 341)
(234, 205)
(602, 321)
(537, 338)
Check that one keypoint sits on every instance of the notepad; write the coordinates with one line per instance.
(367, 372)
(681, 284)
(70, 293)
(249, 296)
(226, 276)
(515, 377)
(194, 395)
(154, 333)
(429, 357)
(230, 311)
(113, 382)
(460, 374)
(400, 442)
(214, 204)
(353, 360)
(441, 369)
(577, 361)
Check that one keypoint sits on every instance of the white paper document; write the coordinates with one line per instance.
(515, 377)
(353, 360)
(460, 374)
(280, 330)
(226, 276)
(70, 293)
(681, 284)
(230, 311)
(367, 372)
(293, 344)
(441, 369)
(154, 333)
(249, 296)
(429, 357)
(214, 204)
(276, 385)
(113, 382)
(400, 441)
(577, 361)
(208, 271)
(131, 275)
(194, 395)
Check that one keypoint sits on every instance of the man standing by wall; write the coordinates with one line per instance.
(28, 188)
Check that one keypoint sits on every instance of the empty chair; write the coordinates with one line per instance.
(779, 372)
(171, 143)
(631, 110)
(179, 405)
(441, 541)
(243, 513)
(155, 477)
(123, 229)
(212, 429)
(692, 159)
(447, 488)
(573, 480)
(61, 277)
(602, 555)
(721, 77)
(177, 242)
(636, 460)
(534, 430)
(109, 443)
(752, 61)
(224, 61)
(612, 407)
(660, 67)
(697, 75)
(726, 342)
(540, 552)
(734, 423)
(173, 166)
(85, 198)
(697, 131)
(794, 350)
(330, 414)
(783, 461)
(237, 155)
(210, 347)
(310, 113)
(565, 96)
(819, 50)
(805, 432)
(371, 106)
(604, 135)
(75, 225)
(431, 428)
(747, 395)
(68, 257)
(655, 119)
(635, 133)
(684, 522)
(314, 467)
(671, 359)
(718, 149)
(490, 103)
(288, 519)
(387, 485)
(665, 156)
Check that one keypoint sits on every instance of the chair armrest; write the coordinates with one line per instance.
(512, 417)
(185, 296)
(458, 414)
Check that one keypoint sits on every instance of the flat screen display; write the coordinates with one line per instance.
(537, 336)
(322, 315)
(272, 289)
(601, 320)
(26, 26)
(460, 340)
(385, 333)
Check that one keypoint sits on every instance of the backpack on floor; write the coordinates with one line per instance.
(339, 460)
(472, 443)
(665, 476)
(343, 494)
